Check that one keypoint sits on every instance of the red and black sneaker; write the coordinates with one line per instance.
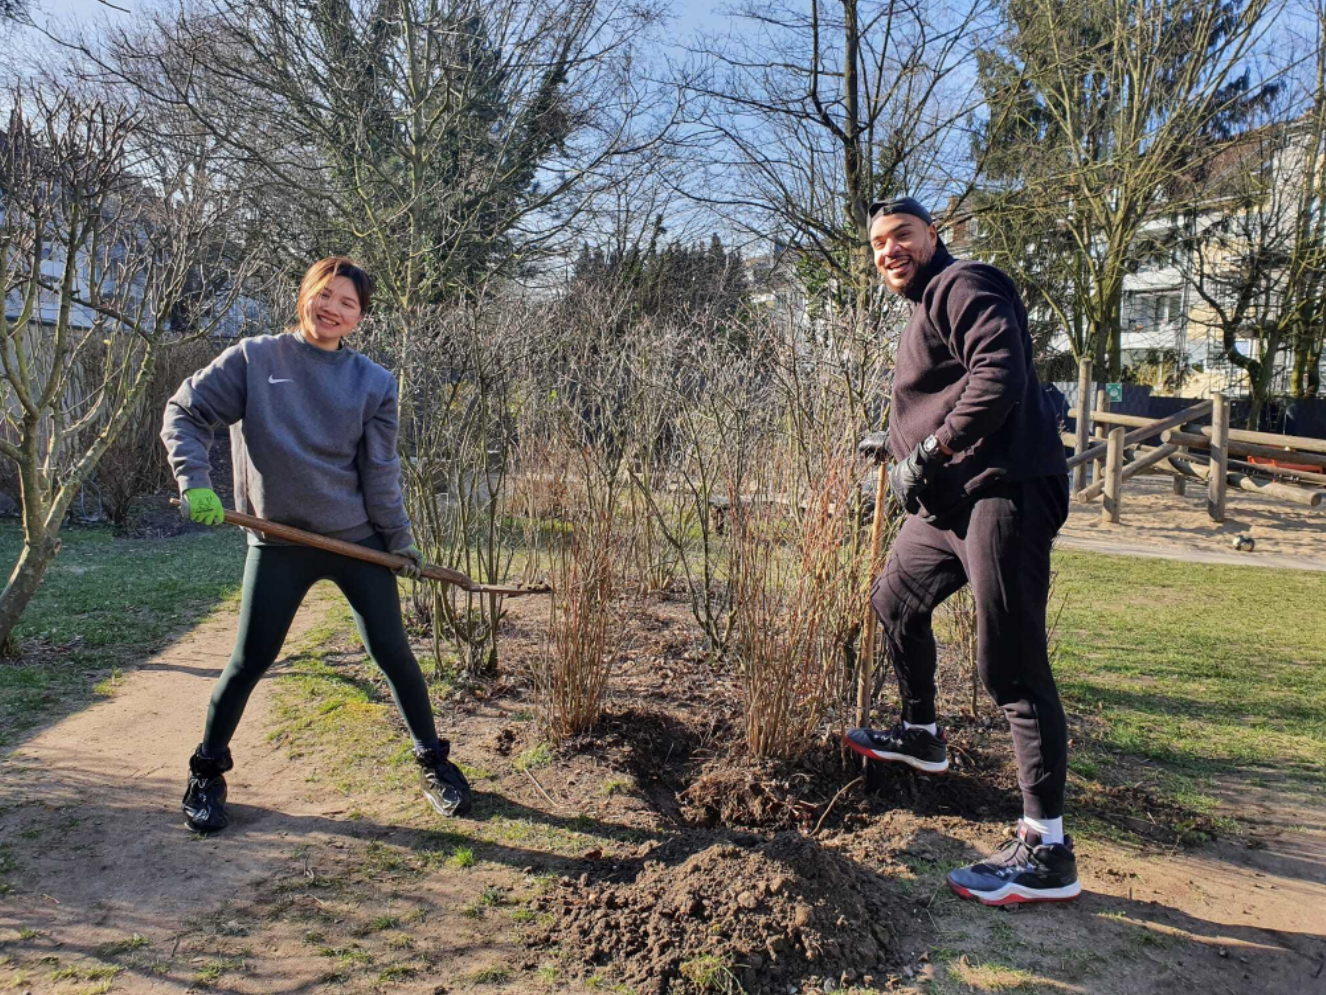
(1022, 870)
(917, 748)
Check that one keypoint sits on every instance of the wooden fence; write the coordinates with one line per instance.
(1119, 447)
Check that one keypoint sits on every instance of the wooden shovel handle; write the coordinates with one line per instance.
(390, 560)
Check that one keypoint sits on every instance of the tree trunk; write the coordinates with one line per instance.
(1114, 333)
(26, 578)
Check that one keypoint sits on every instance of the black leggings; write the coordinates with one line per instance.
(1000, 543)
(276, 578)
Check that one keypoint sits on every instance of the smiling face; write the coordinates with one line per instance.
(902, 244)
(331, 313)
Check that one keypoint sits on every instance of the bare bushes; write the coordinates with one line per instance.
(457, 368)
(570, 677)
(135, 463)
(797, 578)
(800, 557)
(580, 411)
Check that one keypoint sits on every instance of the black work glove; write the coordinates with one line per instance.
(910, 477)
(874, 446)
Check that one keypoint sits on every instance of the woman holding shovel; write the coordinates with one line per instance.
(313, 440)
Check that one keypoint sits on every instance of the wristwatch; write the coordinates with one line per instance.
(933, 453)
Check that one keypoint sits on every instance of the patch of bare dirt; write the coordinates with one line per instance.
(766, 915)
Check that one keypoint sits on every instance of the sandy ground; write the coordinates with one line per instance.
(1156, 522)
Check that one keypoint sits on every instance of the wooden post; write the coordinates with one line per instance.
(1102, 431)
(1083, 417)
(1217, 484)
(1109, 510)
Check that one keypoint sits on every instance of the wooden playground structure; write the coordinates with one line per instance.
(1119, 447)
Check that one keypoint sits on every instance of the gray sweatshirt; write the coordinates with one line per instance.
(313, 437)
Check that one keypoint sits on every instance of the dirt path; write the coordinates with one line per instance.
(107, 885)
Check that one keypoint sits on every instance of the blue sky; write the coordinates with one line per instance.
(690, 14)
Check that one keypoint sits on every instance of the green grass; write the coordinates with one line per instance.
(708, 973)
(535, 757)
(1208, 670)
(106, 604)
(495, 975)
(119, 947)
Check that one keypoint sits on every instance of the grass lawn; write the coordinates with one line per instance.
(106, 604)
(1204, 670)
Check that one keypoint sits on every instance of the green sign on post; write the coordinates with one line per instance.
(1114, 391)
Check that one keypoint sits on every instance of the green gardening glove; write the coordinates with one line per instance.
(415, 568)
(204, 506)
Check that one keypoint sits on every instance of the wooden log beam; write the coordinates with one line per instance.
(1306, 476)
(1108, 417)
(1268, 488)
(1144, 459)
(1101, 432)
(1145, 432)
(1272, 439)
(1196, 440)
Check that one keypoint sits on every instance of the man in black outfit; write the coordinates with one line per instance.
(980, 470)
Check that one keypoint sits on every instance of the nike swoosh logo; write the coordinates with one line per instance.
(272, 379)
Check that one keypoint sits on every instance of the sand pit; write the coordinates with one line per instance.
(767, 915)
(1157, 522)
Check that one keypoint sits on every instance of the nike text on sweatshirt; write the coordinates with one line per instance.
(313, 437)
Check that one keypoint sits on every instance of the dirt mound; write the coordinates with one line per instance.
(745, 797)
(764, 916)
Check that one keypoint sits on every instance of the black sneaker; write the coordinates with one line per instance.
(205, 798)
(1022, 870)
(917, 748)
(444, 785)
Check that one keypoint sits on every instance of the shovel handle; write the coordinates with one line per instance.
(391, 561)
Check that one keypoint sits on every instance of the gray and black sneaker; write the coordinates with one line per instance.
(1022, 870)
(917, 748)
(444, 785)
(205, 798)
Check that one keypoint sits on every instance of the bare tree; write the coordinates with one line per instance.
(818, 108)
(440, 141)
(1097, 106)
(93, 262)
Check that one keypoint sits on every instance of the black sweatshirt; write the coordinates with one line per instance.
(964, 374)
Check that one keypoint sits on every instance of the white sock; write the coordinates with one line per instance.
(1050, 830)
(930, 727)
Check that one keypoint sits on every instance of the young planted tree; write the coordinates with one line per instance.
(1096, 106)
(93, 263)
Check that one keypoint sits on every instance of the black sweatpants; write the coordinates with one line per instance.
(276, 578)
(1000, 542)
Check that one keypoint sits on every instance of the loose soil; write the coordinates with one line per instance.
(763, 913)
(646, 857)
